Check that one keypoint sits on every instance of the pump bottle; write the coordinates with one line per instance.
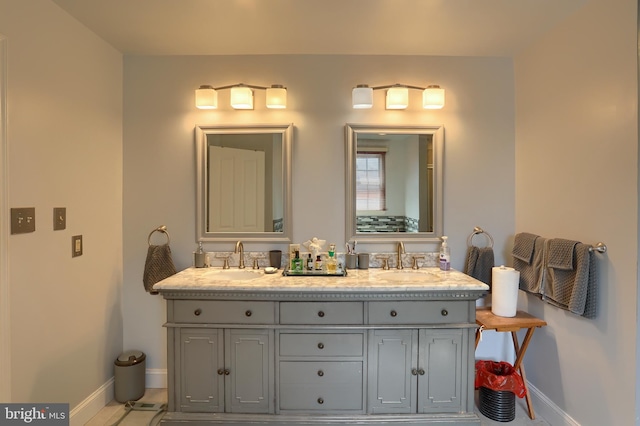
(445, 255)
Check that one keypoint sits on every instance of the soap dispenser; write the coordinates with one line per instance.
(445, 255)
(199, 257)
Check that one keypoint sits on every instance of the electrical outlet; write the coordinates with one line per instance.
(23, 220)
(76, 246)
(59, 218)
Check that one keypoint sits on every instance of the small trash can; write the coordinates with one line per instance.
(129, 376)
(499, 384)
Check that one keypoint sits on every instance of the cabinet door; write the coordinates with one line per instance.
(440, 356)
(201, 355)
(392, 357)
(250, 359)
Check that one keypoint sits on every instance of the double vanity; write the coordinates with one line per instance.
(375, 347)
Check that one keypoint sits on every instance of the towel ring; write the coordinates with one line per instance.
(477, 230)
(162, 229)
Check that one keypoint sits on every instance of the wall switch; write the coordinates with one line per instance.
(59, 218)
(23, 220)
(76, 246)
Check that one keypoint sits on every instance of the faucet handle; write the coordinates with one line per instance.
(225, 264)
(415, 264)
(385, 262)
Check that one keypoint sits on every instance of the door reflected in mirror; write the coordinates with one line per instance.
(244, 183)
(394, 182)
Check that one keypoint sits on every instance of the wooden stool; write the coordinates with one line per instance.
(488, 321)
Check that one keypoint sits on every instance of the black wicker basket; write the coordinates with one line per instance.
(499, 406)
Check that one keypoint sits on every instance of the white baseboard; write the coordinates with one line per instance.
(156, 378)
(83, 412)
(544, 407)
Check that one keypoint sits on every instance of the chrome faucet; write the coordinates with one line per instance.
(400, 250)
(240, 249)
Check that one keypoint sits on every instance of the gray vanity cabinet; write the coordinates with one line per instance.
(306, 355)
(226, 370)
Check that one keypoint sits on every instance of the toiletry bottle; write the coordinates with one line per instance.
(445, 255)
(309, 263)
(332, 263)
(318, 264)
(297, 263)
(199, 257)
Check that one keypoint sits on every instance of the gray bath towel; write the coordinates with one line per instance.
(158, 266)
(561, 254)
(574, 290)
(523, 246)
(532, 272)
(479, 264)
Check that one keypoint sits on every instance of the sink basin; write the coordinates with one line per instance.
(405, 276)
(234, 275)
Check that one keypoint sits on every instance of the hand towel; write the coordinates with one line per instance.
(479, 264)
(560, 254)
(158, 266)
(523, 246)
(574, 290)
(532, 272)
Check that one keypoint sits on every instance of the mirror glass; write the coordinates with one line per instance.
(243, 183)
(394, 183)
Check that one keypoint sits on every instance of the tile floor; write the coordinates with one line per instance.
(110, 414)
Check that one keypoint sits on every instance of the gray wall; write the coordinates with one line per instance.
(576, 178)
(159, 156)
(64, 134)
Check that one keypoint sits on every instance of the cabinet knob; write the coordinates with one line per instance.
(393, 313)
(226, 372)
(444, 312)
(197, 312)
(414, 371)
(220, 371)
(248, 313)
(320, 401)
(421, 372)
(321, 314)
(320, 345)
(320, 373)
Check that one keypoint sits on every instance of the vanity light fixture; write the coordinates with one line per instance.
(241, 96)
(397, 96)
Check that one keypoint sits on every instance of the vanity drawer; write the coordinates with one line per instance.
(321, 313)
(420, 312)
(223, 312)
(321, 386)
(321, 344)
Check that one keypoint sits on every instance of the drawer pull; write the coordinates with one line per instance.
(320, 401)
(320, 373)
(421, 372)
(444, 312)
(226, 372)
(414, 371)
(320, 345)
(197, 312)
(321, 314)
(393, 313)
(220, 371)
(248, 313)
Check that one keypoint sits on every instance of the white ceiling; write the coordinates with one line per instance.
(366, 27)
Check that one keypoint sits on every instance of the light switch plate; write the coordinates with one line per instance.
(23, 220)
(76, 246)
(59, 218)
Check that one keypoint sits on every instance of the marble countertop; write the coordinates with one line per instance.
(357, 281)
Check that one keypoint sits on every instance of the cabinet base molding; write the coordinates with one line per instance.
(180, 419)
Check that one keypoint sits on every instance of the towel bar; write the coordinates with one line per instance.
(600, 248)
